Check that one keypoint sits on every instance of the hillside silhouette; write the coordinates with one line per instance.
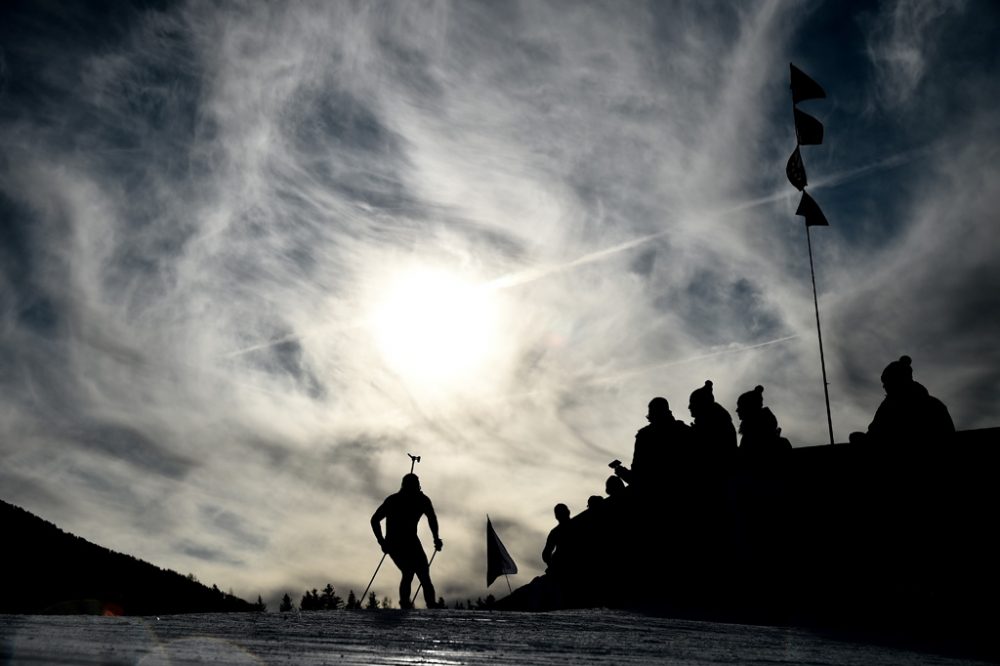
(51, 571)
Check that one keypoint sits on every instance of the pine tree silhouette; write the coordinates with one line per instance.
(329, 600)
(286, 604)
(310, 601)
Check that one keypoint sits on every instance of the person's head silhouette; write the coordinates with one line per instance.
(701, 400)
(897, 376)
(410, 484)
(613, 485)
(562, 513)
(750, 402)
(658, 410)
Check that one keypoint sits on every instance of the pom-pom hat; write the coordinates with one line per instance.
(898, 370)
(754, 398)
(704, 394)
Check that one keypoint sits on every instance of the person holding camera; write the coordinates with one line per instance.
(655, 445)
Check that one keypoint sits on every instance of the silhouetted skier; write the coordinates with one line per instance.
(657, 445)
(557, 536)
(909, 414)
(713, 430)
(402, 512)
(760, 434)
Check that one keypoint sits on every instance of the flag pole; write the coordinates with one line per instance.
(819, 333)
(808, 132)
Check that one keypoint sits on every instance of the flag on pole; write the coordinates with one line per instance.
(796, 170)
(809, 209)
(498, 560)
(803, 87)
(808, 130)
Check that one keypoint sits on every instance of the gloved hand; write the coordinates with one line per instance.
(438, 544)
(383, 546)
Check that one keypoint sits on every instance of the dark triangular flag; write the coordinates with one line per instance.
(804, 87)
(796, 170)
(808, 130)
(498, 560)
(809, 209)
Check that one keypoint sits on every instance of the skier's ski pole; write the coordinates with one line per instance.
(365, 595)
(414, 599)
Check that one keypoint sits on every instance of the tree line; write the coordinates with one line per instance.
(328, 599)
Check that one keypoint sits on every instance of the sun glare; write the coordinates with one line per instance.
(436, 330)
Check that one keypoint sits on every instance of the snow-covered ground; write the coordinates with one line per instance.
(424, 637)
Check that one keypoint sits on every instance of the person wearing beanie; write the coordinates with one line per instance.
(759, 432)
(712, 430)
(909, 414)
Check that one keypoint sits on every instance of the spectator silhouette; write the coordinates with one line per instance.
(712, 429)
(557, 536)
(402, 512)
(760, 435)
(908, 414)
(658, 444)
(614, 486)
(595, 502)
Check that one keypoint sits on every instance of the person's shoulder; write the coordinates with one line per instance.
(940, 411)
(721, 411)
(933, 401)
(386, 504)
(644, 433)
(936, 402)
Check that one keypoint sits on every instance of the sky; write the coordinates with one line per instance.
(254, 254)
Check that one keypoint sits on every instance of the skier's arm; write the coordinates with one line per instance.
(377, 525)
(433, 522)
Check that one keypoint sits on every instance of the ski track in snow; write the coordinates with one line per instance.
(425, 637)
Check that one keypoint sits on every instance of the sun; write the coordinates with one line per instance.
(436, 329)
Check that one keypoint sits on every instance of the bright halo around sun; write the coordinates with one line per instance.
(437, 330)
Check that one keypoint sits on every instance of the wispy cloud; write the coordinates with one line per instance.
(903, 38)
(206, 207)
